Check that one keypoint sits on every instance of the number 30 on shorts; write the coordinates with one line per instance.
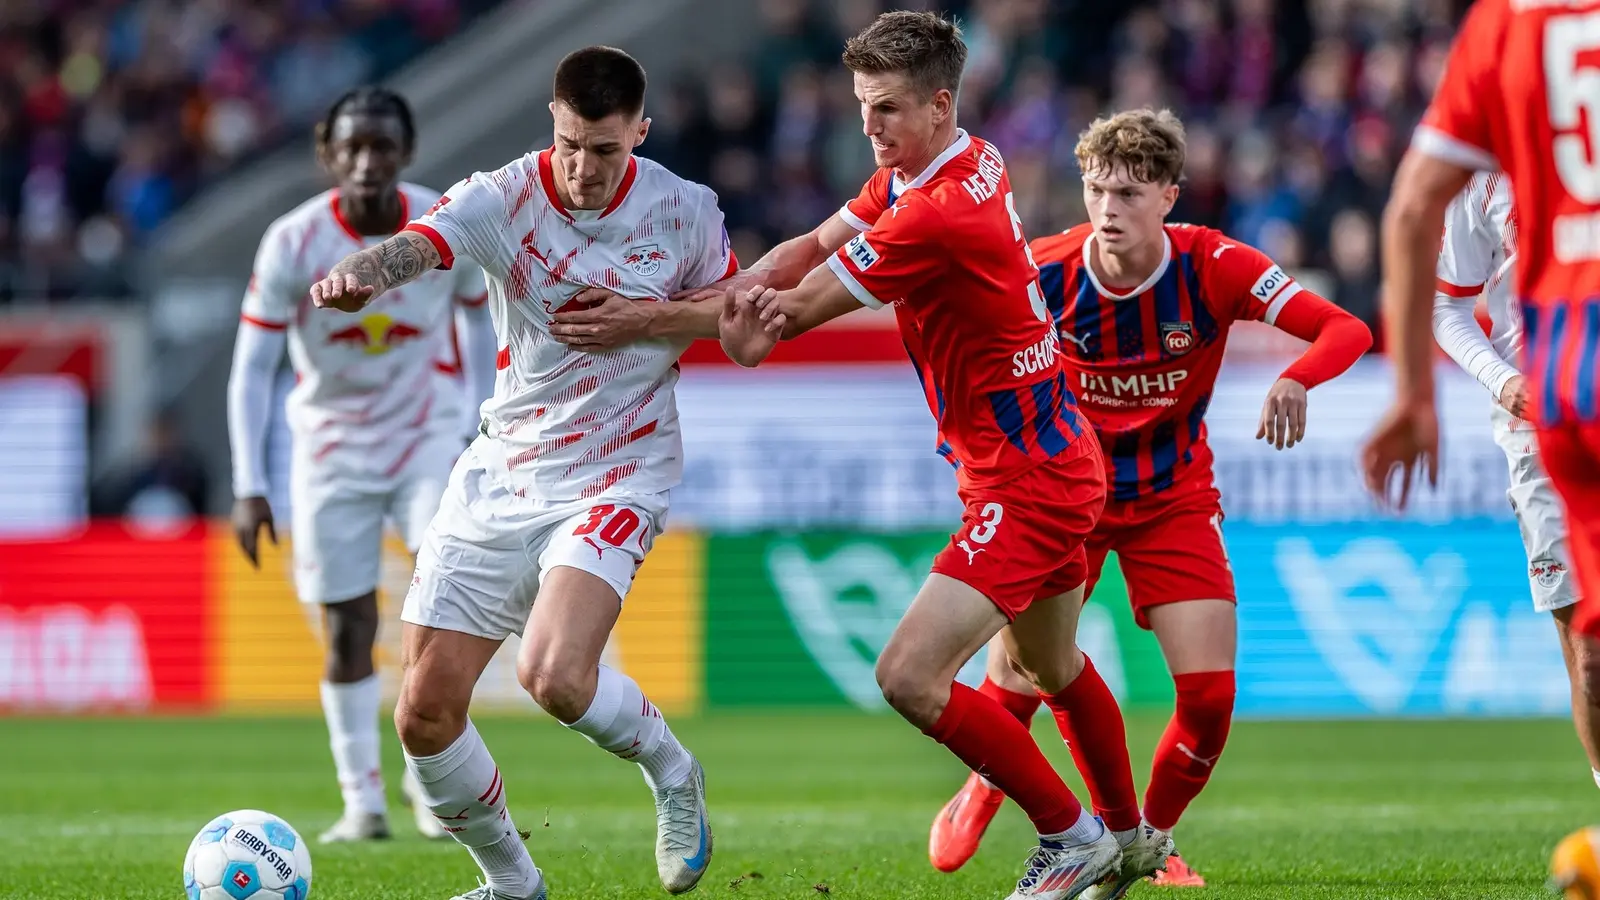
(983, 532)
(610, 524)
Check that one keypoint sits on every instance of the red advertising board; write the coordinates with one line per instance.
(105, 621)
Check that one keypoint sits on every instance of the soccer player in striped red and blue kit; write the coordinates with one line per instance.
(1143, 309)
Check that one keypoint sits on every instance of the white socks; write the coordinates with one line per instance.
(622, 721)
(463, 787)
(352, 714)
(1596, 777)
(1086, 830)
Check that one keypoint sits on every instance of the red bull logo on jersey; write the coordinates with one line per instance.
(645, 259)
(375, 334)
(1547, 572)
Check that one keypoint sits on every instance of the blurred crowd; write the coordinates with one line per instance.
(113, 112)
(1296, 113)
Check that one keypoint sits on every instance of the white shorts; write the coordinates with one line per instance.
(483, 557)
(1539, 515)
(338, 520)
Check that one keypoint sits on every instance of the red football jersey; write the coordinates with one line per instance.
(1521, 93)
(1145, 361)
(946, 248)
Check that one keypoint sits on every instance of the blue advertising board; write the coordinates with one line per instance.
(1391, 618)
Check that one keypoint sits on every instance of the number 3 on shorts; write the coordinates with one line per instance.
(983, 532)
(618, 524)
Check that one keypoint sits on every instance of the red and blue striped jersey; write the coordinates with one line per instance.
(1518, 95)
(1143, 362)
(946, 248)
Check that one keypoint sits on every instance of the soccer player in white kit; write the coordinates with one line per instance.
(1477, 256)
(564, 492)
(376, 425)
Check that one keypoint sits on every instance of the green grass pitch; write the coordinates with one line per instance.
(803, 806)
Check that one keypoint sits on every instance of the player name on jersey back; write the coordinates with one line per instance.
(566, 424)
(368, 385)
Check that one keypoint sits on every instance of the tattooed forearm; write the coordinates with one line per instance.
(398, 260)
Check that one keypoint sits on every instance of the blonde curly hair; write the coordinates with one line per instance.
(1148, 144)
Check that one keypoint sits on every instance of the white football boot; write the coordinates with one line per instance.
(1058, 871)
(357, 826)
(683, 832)
(1143, 856)
(428, 826)
(485, 892)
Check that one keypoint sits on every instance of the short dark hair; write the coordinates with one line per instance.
(370, 100)
(924, 46)
(599, 81)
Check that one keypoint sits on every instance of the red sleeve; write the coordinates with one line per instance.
(1337, 338)
(1249, 284)
(901, 253)
(1459, 126)
(863, 212)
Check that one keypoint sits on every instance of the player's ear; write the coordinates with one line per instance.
(1169, 196)
(319, 146)
(644, 130)
(944, 105)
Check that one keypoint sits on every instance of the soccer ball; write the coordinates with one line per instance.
(247, 855)
(1574, 867)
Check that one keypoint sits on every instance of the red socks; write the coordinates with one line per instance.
(1190, 746)
(990, 740)
(1022, 706)
(1091, 724)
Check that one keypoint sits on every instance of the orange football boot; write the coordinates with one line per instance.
(1178, 875)
(960, 825)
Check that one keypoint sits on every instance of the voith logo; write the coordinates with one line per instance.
(375, 334)
(645, 259)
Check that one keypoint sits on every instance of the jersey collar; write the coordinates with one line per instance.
(358, 237)
(1161, 269)
(547, 178)
(956, 148)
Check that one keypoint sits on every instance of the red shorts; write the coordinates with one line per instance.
(1571, 457)
(1023, 539)
(1169, 546)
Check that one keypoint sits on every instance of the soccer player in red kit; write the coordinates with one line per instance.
(936, 235)
(1520, 93)
(1143, 309)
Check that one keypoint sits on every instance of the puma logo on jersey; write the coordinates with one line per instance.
(972, 553)
(894, 211)
(1081, 343)
(1217, 253)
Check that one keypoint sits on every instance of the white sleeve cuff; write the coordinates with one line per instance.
(856, 289)
(1495, 378)
(1437, 144)
(853, 220)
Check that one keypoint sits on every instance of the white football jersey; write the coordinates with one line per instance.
(368, 385)
(1480, 247)
(563, 424)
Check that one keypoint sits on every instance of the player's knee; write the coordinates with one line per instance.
(351, 630)
(1052, 674)
(561, 690)
(909, 691)
(425, 721)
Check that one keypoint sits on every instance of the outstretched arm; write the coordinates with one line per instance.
(753, 320)
(1337, 339)
(360, 277)
(785, 265)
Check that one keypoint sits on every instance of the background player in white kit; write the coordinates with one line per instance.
(376, 425)
(1477, 256)
(563, 494)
